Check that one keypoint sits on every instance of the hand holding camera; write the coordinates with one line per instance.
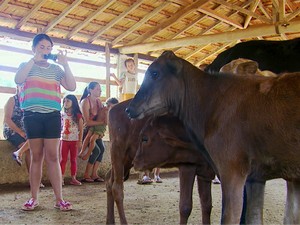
(60, 58)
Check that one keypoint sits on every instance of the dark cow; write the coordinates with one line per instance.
(124, 141)
(246, 124)
(276, 56)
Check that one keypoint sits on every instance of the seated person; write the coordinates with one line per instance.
(13, 130)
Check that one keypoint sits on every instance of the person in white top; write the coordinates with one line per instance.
(128, 81)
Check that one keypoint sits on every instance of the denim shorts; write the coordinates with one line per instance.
(16, 140)
(42, 125)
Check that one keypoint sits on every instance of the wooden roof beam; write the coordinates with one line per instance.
(245, 4)
(177, 16)
(90, 18)
(259, 30)
(142, 21)
(217, 51)
(34, 9)
(224, 19)
(263, 10)
(242, 10)
(253, 7)
(62, 15)
(115, 20)
(3, 4)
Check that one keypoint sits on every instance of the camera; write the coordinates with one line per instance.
(51, 56)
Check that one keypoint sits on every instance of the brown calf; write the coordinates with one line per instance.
(245, 123)
(164, 143)
(124, 140)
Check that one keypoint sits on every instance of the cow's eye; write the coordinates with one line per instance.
(154, 75)
(145, 139)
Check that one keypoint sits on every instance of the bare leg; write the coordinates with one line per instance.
(156, 171)
(157, 178)
(23, 148)
(51, 149)
(85, 144)
(95, 170)
(88, 168)
(35, 175)
(92, 145)
(27, 160)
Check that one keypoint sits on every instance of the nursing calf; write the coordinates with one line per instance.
(124, 139)
(246, 124)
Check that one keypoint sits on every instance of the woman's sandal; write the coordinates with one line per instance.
(63, 206)
(30, 205)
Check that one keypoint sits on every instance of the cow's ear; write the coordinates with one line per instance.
(173, 62)
(173, 141)
(174, 65)
(247, 67)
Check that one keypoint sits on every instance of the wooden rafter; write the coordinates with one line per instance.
(114, 21)
(34, 9)
(3, 4)
(90, 18)
(263, 10)
(242, 10)
(293, 15)
(252, 8)
(138, 24)
(254, 31)
(216, 51)
(62, 15)
(177, 16)
(221, 17)
(199, 49)
(208, 29)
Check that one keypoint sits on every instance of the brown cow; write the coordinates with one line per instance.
(169, 134)
(124, 140)
(255, 184)
(222, 113)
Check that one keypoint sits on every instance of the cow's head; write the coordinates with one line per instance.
(158, 88)
(159, 141)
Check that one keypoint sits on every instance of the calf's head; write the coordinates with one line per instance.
(162, 142)
(157, 90)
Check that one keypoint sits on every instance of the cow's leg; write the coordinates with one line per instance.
(292, 206)
(204, 190)
(110, 214)
(232, 183)
(255, 202)
(187, 178)
(117, 190)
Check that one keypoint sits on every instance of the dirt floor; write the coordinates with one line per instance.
(145, 204)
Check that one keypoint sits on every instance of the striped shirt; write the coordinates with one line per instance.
(41, 90)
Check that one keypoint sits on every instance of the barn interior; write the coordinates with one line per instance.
(99, 34)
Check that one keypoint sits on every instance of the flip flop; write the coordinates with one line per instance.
(30, 205)
(98, 179)
(63, 206)
(17, 158)
(87, 180)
